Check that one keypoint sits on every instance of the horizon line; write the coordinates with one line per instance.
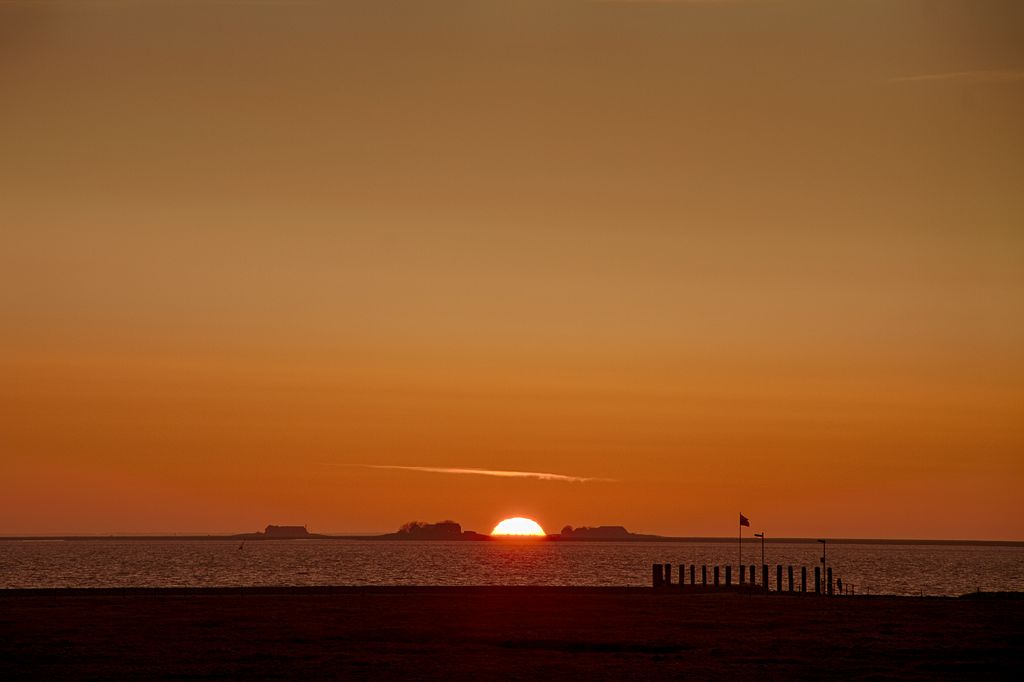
(653, 537)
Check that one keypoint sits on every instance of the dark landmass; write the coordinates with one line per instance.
(600, 533)
(993, 595)
(442, 530)
(280, 533)
(501, 633)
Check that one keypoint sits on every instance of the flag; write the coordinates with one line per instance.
(744, 521)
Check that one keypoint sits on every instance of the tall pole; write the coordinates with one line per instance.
(741, 542)
(761, 535)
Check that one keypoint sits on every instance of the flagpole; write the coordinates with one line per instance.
(741, 540)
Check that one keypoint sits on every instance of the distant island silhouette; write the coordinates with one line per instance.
(447, 530)
(600, 533)
(414, 530)
(442, 530)
(451, 530)
(272, 532)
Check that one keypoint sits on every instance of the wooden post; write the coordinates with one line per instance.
(743, 574)
(693, 574)
(764, 576)
(657, 575)
(778, 577)
(728, 576)
(753, 575)
(668, 575)
(828, 578)
(704, 574)
(803, 579)
(716, 575)
(817, 580)
(790, 575)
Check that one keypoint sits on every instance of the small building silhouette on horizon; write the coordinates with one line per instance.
(286, 532)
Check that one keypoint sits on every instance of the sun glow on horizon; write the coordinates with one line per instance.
(519, 526)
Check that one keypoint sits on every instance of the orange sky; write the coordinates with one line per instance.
(730, 256)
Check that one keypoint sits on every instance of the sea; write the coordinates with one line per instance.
(903, 569)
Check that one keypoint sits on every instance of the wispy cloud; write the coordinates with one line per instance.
(501, 473)
(991, 76)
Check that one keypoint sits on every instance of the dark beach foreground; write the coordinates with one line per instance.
(500, 632)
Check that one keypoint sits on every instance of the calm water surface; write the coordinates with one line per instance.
(890, 569)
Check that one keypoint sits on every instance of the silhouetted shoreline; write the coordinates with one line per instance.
(452, 590)
(500, 632)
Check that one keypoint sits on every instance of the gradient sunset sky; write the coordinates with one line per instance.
(294, 262)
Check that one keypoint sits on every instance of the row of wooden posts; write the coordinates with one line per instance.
(661, 577)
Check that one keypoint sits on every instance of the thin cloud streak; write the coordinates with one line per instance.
(501, 473)
(994, 76)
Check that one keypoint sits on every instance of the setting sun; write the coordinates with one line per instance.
(518, 526)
